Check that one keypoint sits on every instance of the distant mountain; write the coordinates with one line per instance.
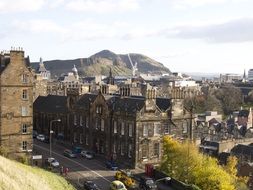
(101, 62)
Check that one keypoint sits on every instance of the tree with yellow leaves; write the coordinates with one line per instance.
(183, 162)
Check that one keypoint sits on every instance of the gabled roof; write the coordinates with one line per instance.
(85, 100)
(163, 103)
(51, 104)
(5, 61)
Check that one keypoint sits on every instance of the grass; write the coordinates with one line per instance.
(17, 176)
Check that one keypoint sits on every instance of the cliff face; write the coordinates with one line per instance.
(101, 62)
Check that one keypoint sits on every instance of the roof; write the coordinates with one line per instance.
(5, 61)
(243, 113)
(163, 103)
(241, 149)
(51, 104)
(85, 100)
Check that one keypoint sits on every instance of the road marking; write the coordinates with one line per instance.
(75, 163)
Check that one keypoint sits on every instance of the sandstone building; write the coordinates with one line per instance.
(16, 103)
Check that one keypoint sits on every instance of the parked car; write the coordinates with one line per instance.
(88, 154)
(117, 185)
(46, 140)
(52, 162)
(77, 150)
(147, 183)
(89, 185)
(40, 137)
(111, 165)
(69, 153)
(35, 133)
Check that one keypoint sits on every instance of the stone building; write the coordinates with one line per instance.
(128, 129)
(16, 103)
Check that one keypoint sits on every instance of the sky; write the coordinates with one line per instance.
(207, 36)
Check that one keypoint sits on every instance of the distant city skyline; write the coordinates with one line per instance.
(207, 36)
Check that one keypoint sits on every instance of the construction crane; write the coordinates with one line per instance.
(134, 66)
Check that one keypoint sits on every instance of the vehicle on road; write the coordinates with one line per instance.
(69, 153)
(126, 177)
(111, 165)
(46, 140)
(117, 185)
(147, 183)
(88, 154)
(40, 137)
(90, 185)
(35, 133)
(77, 150)
(52, 162)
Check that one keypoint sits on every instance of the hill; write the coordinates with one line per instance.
(16, 176)
(101, 62)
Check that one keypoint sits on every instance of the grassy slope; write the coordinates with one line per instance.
(17, 176)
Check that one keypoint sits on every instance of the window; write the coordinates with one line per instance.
(99, 109)
(75, 140)
(102, 124)
(114, 148)
(115, 127)
(24, 111)
(81, 120)
(156, 149)
(130, 151)
(156, 129)
(87, 140)
(98, 123)
(122, 128)
(166, 129)
(24, 145)
(81, 139)
(144, 151)
(185, 127)
(24, 78)
(24, 128)
(87, 122)
(75, 120)
(130, 130)
(145, 130)
(25, 94)
(122, 148)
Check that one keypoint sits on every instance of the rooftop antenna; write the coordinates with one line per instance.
(134, 66)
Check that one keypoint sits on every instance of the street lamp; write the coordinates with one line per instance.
(50, 135)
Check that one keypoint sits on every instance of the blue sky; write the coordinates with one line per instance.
(210, 36)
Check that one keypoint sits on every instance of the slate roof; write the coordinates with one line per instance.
(125, 104)
(51, 104)
(242, 150)
(163, 103)
(243, 113)
(84, 101)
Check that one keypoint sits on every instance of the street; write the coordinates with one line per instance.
(81, 169)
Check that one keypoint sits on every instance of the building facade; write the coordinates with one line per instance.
(16, 103)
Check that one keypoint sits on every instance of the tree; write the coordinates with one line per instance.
(183, 162)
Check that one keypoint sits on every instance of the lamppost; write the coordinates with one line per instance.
(50, 135)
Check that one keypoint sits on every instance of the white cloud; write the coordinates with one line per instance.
(103, 6)
(7, 6)
(239, 30)
(37, 26)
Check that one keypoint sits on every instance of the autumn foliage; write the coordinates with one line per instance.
(183, 162)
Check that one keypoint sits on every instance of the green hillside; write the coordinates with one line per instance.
(17, 176)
